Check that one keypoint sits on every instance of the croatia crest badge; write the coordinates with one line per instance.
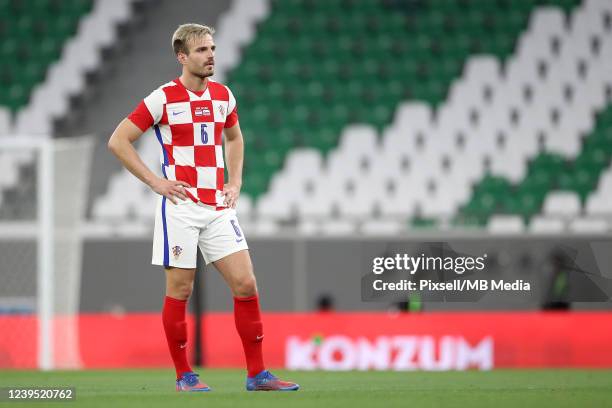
(176, 251)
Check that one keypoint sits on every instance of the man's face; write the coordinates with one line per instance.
(201, 59)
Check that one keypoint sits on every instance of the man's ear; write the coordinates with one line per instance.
(182, 58)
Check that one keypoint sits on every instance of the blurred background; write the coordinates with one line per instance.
(371, 127)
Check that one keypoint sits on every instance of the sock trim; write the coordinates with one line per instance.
(175, 300)
(245, 299)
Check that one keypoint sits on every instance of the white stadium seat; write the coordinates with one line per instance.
(339, 227)
(304, 163)
(383, 227)
(309, 228)
(358, 139)
(547, 20)
(244, 207)
(598, 204)
(261, 228)
(275, 206)
(506, 224)
(317, 206)
(482, 69)
(546, 225)
(589, 225)
(562, 204)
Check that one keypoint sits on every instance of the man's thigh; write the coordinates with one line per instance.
(175, 238)
(179, 276)
(236, 269)
(222, 237)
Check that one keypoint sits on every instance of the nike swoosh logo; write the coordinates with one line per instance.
(183, 345)
(177, 113)
(240, 240)
(259, 337)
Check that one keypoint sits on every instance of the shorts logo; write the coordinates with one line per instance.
(236, 228)
(176, 251)
(202, 111)
(221, 110)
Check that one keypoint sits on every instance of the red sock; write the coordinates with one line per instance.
(175, 326)
(248, 323)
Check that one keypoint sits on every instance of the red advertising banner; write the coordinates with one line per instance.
(341, 341)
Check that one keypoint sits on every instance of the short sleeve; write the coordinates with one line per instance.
(232, 108)
(149, 111)
(141, 117)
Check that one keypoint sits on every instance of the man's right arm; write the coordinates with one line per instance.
(120, 143)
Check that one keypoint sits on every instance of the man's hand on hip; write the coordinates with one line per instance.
(231, 192)
(170, 189)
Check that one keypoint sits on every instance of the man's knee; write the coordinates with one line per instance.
(246, 287)
(179, 286)
(182, 290)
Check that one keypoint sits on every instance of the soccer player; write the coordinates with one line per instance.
(195, 208)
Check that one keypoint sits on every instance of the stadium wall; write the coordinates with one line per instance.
(293, 273)
(346, 341)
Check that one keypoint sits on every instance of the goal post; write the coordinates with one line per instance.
(42, 204)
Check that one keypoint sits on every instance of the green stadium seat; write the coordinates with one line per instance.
(581, 182)
(538, 181)
(525, 204)
(323, 139)
(423, 223)
(493, 185)
(356, 41)
(8, 49)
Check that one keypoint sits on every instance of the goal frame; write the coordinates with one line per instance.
(44, 236)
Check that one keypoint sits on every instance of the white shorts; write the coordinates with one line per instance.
(181, 228)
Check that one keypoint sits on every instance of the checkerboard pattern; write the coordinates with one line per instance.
(189, 127)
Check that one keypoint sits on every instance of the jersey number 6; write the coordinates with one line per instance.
(203, 133)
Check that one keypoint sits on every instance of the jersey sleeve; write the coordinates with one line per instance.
(232, 108)
(149, 111)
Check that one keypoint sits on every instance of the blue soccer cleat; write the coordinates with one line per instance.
(189, 382)
(266, 381)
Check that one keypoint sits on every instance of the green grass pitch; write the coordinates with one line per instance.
(497, 389)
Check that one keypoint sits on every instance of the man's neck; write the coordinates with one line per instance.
(193, 83)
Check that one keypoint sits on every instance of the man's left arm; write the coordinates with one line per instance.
(234, 158)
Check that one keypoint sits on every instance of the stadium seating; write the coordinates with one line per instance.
(354, 65)
(471, 136)
(44, 22)
(69, 36)
(546, 172)
(456, 128)
(582, 87)
(80, 54)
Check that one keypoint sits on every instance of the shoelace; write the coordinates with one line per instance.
(268, 376)
(191, 379)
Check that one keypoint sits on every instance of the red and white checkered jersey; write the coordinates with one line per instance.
(189, 127)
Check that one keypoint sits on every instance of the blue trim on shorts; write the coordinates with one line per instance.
(166, 249)
(161, 143)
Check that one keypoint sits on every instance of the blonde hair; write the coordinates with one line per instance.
(187, 33)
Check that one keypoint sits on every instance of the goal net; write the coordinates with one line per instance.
(43, 195)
